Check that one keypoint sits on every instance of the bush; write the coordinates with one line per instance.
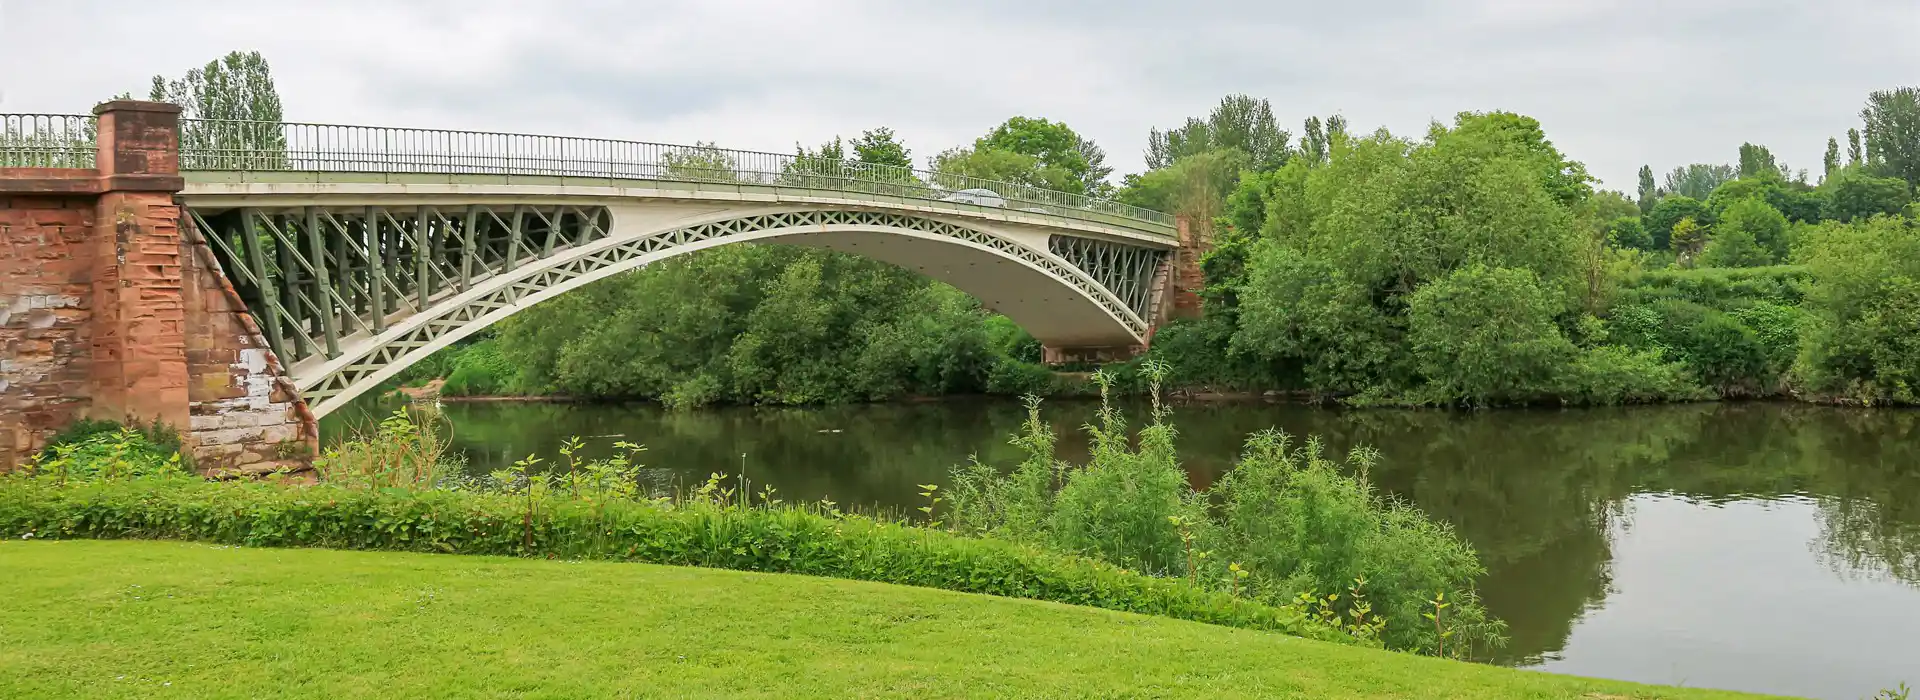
(811, 540)
(1486, 335)
(480, 370)
(1718, 288)
(96, 450)
(1862, 337)
(1013, 377)
(1298, 523)
(1289, 523)
(1614, 374)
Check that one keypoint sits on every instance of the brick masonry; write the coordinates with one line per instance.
(107, 310)
(46, 303)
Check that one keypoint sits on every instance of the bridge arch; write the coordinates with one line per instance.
(315, 276)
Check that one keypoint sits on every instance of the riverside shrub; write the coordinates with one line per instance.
(812, 540)
(1282, 524)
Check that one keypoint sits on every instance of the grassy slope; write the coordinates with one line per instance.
(163, 619)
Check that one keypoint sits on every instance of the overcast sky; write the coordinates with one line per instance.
(1616, 84)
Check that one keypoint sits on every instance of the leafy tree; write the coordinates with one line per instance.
(1238, 122)
(1668, 213)
(1699, 180)
(1854, 157)
(1831, 161)
(1627, 232)
(1756, 220)
(1316, 140)
(1796, 200)
(1750, 233)
(876, 156)
(1033, 152)
(1313, 141)
(237, 88)
(1054, 146)
(1687, 238)
(703, 161)
(753, 324)
(1756, 160)
(1862, 339)
(1893, 133)
(1565, 179)
(1732, 246)
(1649, 192)
(879, 146)
(1196, 186)
(1344, 246)
(1852, 194)
(1487, 335)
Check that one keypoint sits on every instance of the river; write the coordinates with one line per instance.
(1750, 546)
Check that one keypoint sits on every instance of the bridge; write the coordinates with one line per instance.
(296, 266)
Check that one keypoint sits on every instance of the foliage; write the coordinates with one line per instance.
(1688, 237)
(480, 370)
(103, 450)
(1718, 288)
(1240, 122)
(1647, 194)
(1486, 335)
(1668, 213)
(1892, 120)
(1698, 180)
(1862, 339)
(403, 450)
(1628, 232)
(1750, 234)
(1288, 522)
(755, 324)
(1196, 186)
(1346, 247)
(1852, 194)
(236, 87)
(1035, 152)
(1757, 160)
(1795, 200)
(703, 161)
(879, 146)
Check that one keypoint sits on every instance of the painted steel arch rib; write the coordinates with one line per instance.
(369, 356)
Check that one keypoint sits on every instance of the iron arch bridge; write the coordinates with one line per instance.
(360, 250)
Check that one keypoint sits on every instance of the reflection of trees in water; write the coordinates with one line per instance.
(1869, 493)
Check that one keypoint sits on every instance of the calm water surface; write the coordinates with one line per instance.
(1762, 547)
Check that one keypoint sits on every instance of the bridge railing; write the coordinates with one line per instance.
(47, 140)
(221, 145)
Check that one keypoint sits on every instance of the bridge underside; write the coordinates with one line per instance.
(350, 295)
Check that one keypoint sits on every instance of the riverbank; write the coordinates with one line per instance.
(89, 619)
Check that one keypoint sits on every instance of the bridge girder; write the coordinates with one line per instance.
(348, 295)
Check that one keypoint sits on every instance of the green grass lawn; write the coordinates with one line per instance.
(102, 619)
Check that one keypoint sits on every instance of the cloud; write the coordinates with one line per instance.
(1617, 84)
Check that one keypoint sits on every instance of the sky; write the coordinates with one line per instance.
(1616, 84)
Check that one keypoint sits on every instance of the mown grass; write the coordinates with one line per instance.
(126, 619)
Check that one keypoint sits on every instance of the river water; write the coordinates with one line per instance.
(1750, 546)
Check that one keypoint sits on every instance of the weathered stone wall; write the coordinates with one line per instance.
(1196, 238)
(246, 415)
(108, 311)
(46, 293)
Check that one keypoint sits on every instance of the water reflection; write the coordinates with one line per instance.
(1753, 546)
